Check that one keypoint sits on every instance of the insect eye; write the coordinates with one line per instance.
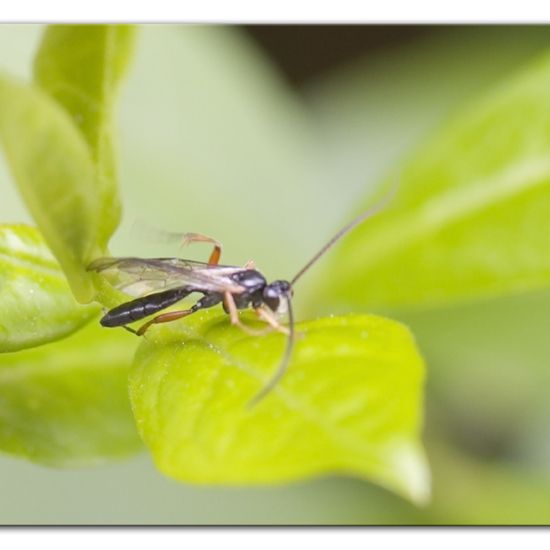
(279, 288)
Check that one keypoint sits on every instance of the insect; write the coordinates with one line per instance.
(158, 283)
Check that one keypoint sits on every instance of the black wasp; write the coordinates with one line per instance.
(158, 283)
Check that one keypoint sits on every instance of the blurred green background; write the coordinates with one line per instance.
(220, 127)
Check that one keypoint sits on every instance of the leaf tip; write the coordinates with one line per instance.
(409, 463)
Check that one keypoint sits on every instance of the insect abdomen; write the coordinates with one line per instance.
(143, 307)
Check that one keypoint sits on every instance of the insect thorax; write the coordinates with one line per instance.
(253, 282)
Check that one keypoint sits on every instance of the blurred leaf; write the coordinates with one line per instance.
(65, 172)
(482, 492)
(489, 371)
(36, 303)
(488, 360)
(66, 403)
(350, 402)
(81, 67)
(374, 110)
(18, 44)
(470, 219)
(51, 165)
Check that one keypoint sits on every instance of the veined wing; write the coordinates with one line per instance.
(141, 276)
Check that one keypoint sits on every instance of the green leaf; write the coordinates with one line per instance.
(51, 165)
(349, 403)
(36, 303)
(57, 140)
(471, 218)
(81, 67)
(66, 403)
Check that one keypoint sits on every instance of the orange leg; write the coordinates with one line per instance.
(234, 316)
(263, 314)
(215, 256)
(267, 316)
(163, 318)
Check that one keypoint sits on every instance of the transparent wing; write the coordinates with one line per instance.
(142, 276)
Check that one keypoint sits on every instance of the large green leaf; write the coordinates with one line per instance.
(36, 303)
(81, 67)
(57, 140)
(66, 403)
(470, 218)
(350, 402)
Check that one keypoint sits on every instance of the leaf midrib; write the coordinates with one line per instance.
(448, 208)
(339, 435)
(32, 263)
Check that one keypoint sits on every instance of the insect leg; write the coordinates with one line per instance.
(163, 318)
(271, 320)
(214, 259)
(251, 264)
(206, 301)
(229, 302)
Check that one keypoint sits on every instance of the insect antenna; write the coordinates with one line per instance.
(345, 230)
(292, 334)
(284, 361)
